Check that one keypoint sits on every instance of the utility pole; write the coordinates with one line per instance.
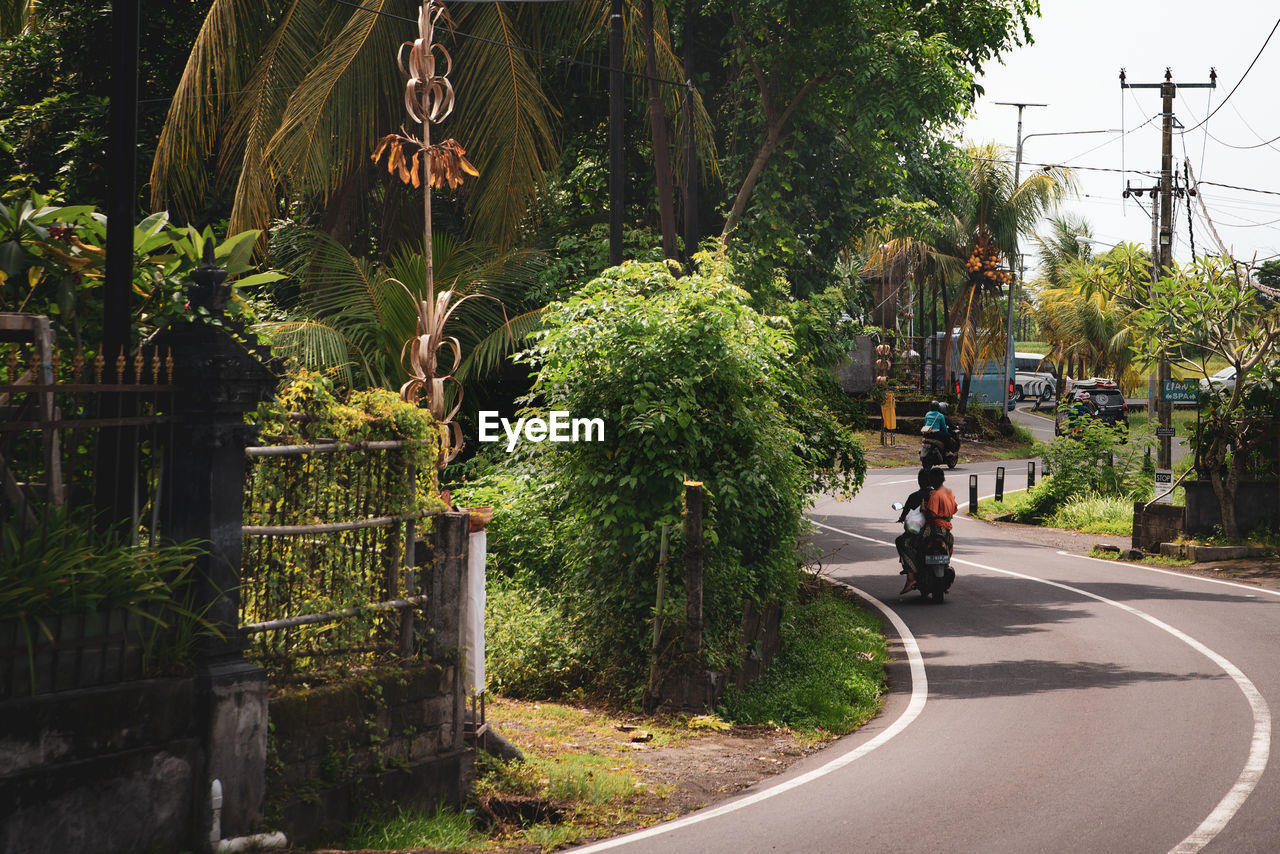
(1015, 268)
(1168, 91)
(615, 134)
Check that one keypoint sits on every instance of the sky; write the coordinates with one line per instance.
(1074, 67)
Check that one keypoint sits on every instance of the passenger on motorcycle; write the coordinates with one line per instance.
(939, 506)
(935, 421)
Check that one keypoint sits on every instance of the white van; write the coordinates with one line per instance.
(1035, 376)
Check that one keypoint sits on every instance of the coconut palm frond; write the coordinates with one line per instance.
(314, 345)
(490, 351)
(222, 59)
(505, 122)
(15, 16)
(337, 114)
(257, 113)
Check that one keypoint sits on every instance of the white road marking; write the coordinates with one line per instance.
(1259, 748)
(1259, 745)
(919, 693)
(1250, 587)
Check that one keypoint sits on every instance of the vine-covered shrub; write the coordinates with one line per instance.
(691, 383)
(333, 569)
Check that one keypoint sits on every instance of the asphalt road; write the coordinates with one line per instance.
(1054, 703)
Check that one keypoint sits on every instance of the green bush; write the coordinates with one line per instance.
(530, 649)
(1093, 461)
(829, 675)
(692, 383)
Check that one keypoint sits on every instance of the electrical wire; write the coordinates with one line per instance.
(1241, 80)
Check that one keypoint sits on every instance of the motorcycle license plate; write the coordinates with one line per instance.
(932, 559)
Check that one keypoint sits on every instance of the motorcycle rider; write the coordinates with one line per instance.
(908, 543)
(938, 508)
(934, 432)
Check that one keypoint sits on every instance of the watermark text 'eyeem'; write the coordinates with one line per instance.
(558, 428)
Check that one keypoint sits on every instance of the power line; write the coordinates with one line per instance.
(1238, 82)
(1244, 189)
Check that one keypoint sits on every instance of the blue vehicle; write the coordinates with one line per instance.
(988, 382)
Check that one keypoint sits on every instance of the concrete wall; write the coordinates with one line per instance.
(100, 770)
(1256, 506)
(1154, 524)
(380, 738)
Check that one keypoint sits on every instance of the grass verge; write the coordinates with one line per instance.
(1090, 514)
(829, 678)
(1150, 560)
(441, 830)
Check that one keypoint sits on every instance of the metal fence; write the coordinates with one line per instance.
(331, 541)
(82, 433)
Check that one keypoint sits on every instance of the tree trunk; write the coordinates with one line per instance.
(658, 131)
(772, 139)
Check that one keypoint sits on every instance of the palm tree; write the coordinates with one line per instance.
(1066, 244)
(293, 109)
(354, 315)
(984, 237)
(1089, 310)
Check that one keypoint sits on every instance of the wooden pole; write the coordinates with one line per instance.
(693, 556)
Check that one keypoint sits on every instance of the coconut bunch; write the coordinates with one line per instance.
(984, 265)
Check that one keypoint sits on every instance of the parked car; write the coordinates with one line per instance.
(1223, 381)
(1035, 376)
(1097, 398)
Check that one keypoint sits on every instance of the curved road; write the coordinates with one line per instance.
(1054, 703)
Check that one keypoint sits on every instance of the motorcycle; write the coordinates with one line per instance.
(930, 559)
(938, 451)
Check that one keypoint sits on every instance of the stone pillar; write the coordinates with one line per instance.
(446, 619)
(221, 375)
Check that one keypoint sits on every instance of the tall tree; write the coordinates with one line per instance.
(291, 110)
(1207, 310)
(834, 108)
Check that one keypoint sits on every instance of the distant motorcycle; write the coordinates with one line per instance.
(930, 559)
(941, 450)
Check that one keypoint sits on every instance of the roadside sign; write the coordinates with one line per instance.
(1180, 391)
(1164, 431)
(1164, 480)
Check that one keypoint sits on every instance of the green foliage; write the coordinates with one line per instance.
(1207, 310)
(330, 571)
(53, 257)
(1095, 514)
(65, 568)
(691, 384)
(440, 830)
(352, 317)
(829, 676)
(530, 643)
(1092, 461)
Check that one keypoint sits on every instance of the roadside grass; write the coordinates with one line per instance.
(1096, 514)
(1150, 560)
(441, 830)
(1091, 514)
(903, 449)
(1142, 425)
(829, 678)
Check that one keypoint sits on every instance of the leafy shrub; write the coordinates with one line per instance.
(1095, 514)
(691, 383)
(530, 647)
(829, 675)
(66, 568)
(1090, 462)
